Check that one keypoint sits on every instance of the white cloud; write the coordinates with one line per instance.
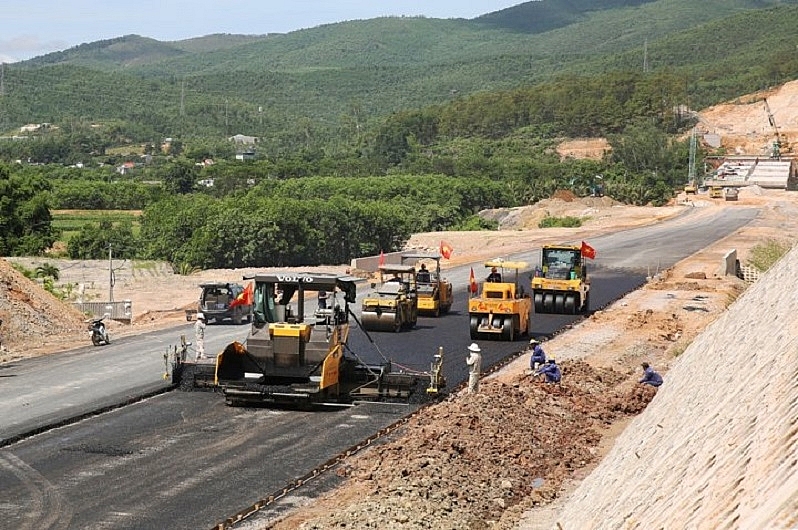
(23, 47)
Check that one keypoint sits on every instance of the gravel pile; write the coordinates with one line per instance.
(477, 461)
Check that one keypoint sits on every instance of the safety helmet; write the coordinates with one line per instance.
(474, 347)
(200, 316)
(534, 341)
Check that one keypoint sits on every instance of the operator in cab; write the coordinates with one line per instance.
(494, 276)
(423, 275)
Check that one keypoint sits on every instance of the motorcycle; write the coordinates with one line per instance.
(99, 335)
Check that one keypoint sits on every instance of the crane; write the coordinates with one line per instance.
(776, 151)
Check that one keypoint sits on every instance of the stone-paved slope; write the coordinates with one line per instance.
(718, 445)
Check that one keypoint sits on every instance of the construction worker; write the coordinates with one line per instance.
(551, 371)
(650, 377)
(494, 276)
(199, 331)
(423, 275)
(474, 362)
(538, 358)
(323, 299)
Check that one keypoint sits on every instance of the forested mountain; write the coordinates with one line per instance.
(317, 82)
(396, 106)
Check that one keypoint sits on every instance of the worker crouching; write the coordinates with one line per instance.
(550, 371)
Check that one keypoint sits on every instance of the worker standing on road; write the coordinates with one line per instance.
(650, 377)
(474, 362)
(538, 358)
(551, 371)
(199, 331)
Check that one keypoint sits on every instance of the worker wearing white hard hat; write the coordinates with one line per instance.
(199, 331)
(474, 362)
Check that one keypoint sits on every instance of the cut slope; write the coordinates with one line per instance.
(717, 446)
(33, 316)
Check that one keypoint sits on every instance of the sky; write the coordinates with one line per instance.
(43, 26)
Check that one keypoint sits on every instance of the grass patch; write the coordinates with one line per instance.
(69, 222)
(764, 255)
(568, 221)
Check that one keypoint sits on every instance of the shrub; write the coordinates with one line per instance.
(563, 222)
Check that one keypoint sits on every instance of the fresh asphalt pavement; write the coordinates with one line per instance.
(184, 460)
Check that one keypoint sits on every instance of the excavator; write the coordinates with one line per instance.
(776, 146)
(434, 292)
(502, 309)
(297, 353)
(393, 305)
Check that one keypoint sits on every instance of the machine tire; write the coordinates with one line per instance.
(474, 327)
(397, 323)
(570, 304)
(548, 303)
(538, 301)
(508, 329)
(559, 303)
(95, 339)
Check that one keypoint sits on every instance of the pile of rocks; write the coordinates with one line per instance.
(479, 460)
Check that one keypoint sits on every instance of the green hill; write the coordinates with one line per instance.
(321, 83)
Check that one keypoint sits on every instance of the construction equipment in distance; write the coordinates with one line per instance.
(393, 304)
(716, 192)
(502, 309)
(298, 360)
(561, 284)
(433, 291)
(731, 194)
(775, 150)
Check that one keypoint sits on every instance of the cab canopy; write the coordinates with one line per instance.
(277, 289)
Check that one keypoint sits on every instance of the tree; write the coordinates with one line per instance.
(25, 221)
(180, 177)
(48, 270)
(93, 241)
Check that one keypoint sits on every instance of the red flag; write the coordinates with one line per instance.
(446, 249)
(588, 251)
(382, 259)
(472, 282)
(245, 297)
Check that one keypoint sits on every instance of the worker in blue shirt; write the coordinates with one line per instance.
(650, 377)
(538, 355)
(551, 371)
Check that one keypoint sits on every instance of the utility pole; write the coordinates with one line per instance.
(110, 275)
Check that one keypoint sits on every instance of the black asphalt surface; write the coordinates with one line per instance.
(185, 460)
